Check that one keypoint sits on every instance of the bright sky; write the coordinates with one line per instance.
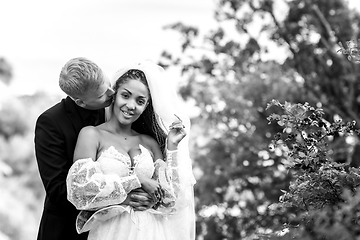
(39, 36)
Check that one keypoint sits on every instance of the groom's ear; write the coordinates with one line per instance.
(80, 102)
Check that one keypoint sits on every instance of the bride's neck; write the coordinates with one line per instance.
(116, 127)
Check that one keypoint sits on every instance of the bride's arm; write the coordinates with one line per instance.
(89, 188)
(166, 169)
(166, 172)
(87, 144)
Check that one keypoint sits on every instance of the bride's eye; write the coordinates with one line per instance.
(141, 102)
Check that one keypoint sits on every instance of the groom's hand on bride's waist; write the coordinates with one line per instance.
(140, 200)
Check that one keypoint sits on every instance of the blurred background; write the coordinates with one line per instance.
(229, 57)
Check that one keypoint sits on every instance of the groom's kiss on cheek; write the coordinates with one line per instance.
(98, 98)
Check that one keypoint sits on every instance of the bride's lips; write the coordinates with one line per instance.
(127, 114)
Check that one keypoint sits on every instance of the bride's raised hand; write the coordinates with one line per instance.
(176, 134)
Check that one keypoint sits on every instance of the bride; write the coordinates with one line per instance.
(134, 149)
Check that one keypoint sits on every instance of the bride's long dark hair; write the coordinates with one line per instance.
(148, 122)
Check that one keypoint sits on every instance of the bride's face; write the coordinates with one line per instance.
(132, 97)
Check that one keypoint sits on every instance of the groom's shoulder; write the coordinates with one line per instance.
(56, 111)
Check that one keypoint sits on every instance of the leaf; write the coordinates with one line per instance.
(306, 162)
(301, 154)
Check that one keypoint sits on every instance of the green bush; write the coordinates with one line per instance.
(323, 197)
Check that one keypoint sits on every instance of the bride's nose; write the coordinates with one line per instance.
(130, 105)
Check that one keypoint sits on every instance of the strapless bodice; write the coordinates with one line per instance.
(111, 161)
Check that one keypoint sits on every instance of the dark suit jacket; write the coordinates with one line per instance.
(56, 134)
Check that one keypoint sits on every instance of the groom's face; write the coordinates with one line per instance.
(99, 98)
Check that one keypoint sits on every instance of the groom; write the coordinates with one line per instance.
(89, 92)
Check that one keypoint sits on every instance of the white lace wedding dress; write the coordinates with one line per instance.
(98, 187)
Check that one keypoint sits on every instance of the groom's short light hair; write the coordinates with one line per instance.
(79, 76)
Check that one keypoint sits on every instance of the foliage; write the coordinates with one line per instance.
(351, 50)
(238, 176)
(306, 33)
(5, 71)
(324, 194)
(232, 71)
(12, 118)
(21, 188)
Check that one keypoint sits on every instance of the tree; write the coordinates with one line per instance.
(21, 188)
(323, 194)
(5, 71)
(231, 79)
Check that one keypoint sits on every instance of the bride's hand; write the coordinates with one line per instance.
(176, 134)
(152, 187)
(139, 200)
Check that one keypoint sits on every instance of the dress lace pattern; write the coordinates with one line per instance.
(98, 187)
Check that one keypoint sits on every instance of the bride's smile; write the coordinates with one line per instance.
(127, 114)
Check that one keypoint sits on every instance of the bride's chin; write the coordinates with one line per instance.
(123, 120)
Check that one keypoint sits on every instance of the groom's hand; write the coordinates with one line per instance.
(140, 200)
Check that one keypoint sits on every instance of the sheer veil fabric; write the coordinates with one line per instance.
(166, 105)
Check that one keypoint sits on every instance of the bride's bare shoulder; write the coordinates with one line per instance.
(89, 131)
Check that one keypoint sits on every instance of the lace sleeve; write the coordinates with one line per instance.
(166, 172)
(88, 188)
